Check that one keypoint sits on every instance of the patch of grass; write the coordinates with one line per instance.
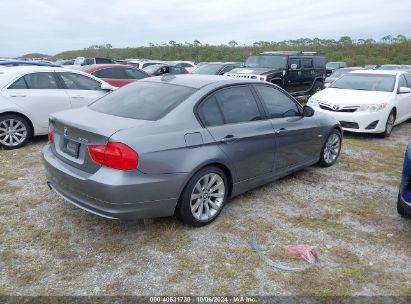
(166, 236)
(234, 268)
(381, 159)
(186, 266)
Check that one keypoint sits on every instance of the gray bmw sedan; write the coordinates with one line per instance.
(182, 145)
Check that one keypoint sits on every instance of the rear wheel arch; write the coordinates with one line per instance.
(22, 116)
(219, 165)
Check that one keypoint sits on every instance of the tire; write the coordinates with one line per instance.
(318, 86)
(389, 125)
(15, 131)
(400, 208)
(196, 199)
(331, 149)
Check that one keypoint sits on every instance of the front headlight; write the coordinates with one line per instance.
(373, 108)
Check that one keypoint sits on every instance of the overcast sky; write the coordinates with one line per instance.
(52, 26)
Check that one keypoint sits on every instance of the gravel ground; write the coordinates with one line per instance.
(48, 247)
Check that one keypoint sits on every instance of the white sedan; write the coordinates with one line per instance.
(367, 101)
(29, 94)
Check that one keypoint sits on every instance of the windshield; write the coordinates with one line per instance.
(338, 73)
(152, 68)
(142, 100)
(382, 83)
(267, 61)
(332, 65)
(209, 69)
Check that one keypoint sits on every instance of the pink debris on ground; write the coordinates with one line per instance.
(307, 252)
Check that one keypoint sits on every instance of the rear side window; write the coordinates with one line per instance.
(295, 61)
(113, 73)
(307, 63)
(79, 82)
(20, 84)
(238, 104)
(277, 103)
(143, 100)
(36, 81)
(210, 112)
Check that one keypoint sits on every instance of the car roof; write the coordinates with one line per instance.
(197, 81)
(378, 72)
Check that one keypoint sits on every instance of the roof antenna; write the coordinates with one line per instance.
(167, 77)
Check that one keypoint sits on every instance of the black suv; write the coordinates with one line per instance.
(299, 73)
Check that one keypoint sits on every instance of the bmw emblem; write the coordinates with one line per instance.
(65, 131)
(336, 107)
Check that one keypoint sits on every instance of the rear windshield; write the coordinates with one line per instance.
(365, 82)
(143, 100)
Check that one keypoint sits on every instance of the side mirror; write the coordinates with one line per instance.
(327, 84)
(308, 111)
(106, 87)
(294, 66)
(404, 90)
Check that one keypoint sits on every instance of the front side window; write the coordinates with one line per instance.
(401, 82)
(36, 81)
(408, 78)
(111, 73)
(277, 103)
(238, 105)
(79, 82)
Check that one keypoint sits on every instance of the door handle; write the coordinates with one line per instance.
(17, 95)
(278, 131)
(77, 97)
(228, 139)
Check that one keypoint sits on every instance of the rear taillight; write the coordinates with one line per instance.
(50, 134)
(114, 155)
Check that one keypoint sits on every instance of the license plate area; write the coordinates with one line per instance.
(71, 148)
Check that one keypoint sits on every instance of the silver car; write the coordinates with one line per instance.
(182, 145)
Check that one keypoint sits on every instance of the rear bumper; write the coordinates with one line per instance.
(112, 193)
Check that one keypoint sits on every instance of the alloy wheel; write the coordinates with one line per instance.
(207, 197)
(332, 148)
(12, 132)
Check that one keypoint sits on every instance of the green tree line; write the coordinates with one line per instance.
(358, 52)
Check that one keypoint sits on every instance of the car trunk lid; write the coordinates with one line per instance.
(75, 130)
